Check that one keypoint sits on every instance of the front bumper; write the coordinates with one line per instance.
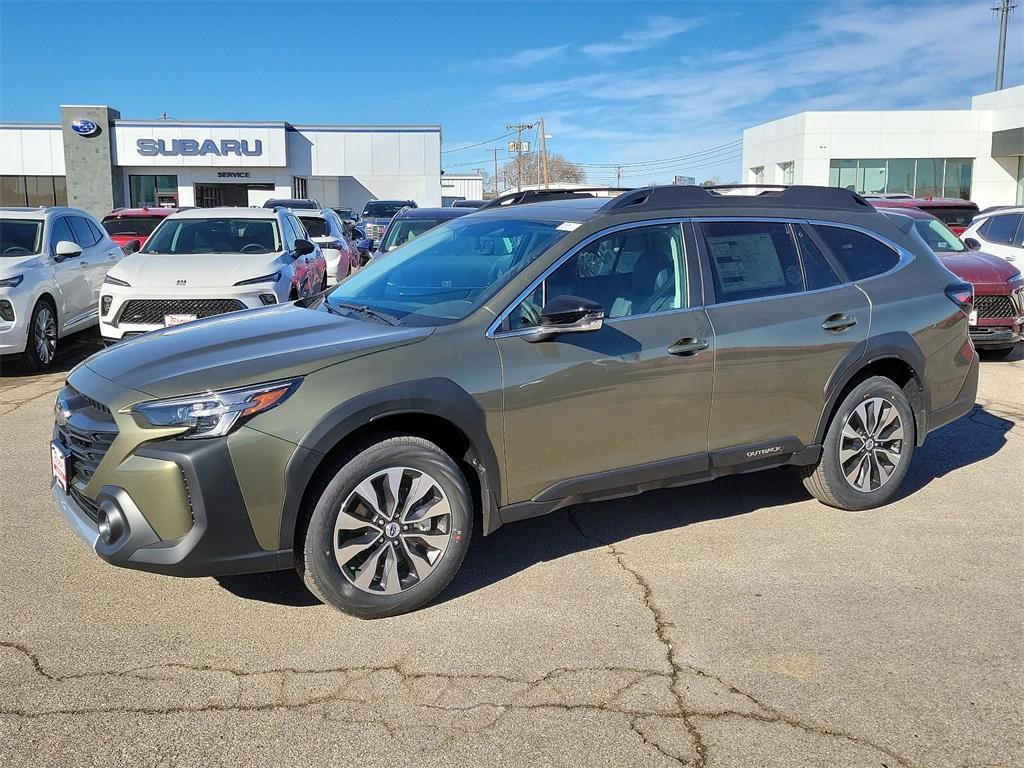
(997, 336)
(14, 333)
(220, 540)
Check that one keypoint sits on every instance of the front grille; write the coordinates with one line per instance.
(87, 436)
(991, 307)
(153, 311)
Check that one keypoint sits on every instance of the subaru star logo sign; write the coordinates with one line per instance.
(84, 127)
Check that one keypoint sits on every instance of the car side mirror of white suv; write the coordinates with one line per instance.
(67, 250)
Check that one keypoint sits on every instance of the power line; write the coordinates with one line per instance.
(478, 144)
(691, 156)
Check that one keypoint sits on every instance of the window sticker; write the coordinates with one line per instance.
(746, 262)
(568, 226)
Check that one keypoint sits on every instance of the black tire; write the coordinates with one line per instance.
(316, 561)
(31, 359)
(997, 353)
(827, 480)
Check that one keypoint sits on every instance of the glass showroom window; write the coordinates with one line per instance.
(33, 191)
(787, 172)
(921, 177)
(757, 175)
(152, 191)
(298, 188)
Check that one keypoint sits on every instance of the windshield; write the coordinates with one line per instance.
(406, 230)
(951, 217)
(315, 226)
(20, 237)
(938, 236)
(382, 210)
(448, 272)
(132, 225)
(215, 235)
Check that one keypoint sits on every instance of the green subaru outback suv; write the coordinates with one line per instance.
(511, 362)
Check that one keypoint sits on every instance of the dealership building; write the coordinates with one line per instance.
(97, 161)
(975, 153)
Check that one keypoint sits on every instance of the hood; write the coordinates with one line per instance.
(978, 267)
(244, 348)
(163, 270)
(10, 266)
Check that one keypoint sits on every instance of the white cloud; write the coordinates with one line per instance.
(653, 32)
(522, 59)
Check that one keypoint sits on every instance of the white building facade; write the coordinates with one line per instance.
(465, 186)
(973, 153)
(207, 163)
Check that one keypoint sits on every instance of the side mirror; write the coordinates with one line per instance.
(972, 244)
(132, 247)
(567, 314)
(67, 250)
(302, 247)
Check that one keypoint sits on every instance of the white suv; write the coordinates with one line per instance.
(326, 229)
(999, 232)
(209, 261)
(52, 265)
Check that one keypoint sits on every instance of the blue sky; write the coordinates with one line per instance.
(617, 82)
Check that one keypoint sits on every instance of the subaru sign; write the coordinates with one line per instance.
(196, 148)
(84, 127)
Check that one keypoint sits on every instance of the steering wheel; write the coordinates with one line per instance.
(16, 250)
(254, 248)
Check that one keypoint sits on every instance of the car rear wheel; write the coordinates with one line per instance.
(388, 529)
(867, 448)
(41, 346)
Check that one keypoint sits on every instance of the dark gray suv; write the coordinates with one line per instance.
(511, 362)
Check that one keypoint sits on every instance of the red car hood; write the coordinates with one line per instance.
(123, 240)
(980, 268)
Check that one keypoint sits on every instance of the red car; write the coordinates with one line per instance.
(997, 322)
(951, 211)
(127, 224)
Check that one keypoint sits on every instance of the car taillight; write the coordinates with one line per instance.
(961, 294)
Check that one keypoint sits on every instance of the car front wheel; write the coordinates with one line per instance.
(389, 527)
(867, 448)
(41, 346)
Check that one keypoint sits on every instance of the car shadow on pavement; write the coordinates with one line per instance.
(515, 547)
(70, 352)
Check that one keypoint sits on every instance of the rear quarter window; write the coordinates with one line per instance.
(861, 256)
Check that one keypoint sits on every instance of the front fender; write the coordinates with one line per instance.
(437, 397)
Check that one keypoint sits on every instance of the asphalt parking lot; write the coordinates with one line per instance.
(737, 623)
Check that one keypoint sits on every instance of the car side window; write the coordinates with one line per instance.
(635, 271)
(860, 255)
(96, 231)
(59, 230)
(818, 273)
(752, 259)
(289, 233)
(1004, 229)
(84, 235)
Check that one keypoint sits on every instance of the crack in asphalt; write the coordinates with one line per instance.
(686, 715)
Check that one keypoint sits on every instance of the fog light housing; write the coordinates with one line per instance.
(6, 310)
(105, 303)
(268, 298)
(111, 524)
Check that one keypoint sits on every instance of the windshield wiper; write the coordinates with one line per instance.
(364, 310)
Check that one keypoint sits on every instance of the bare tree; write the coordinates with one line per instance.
(560, 171)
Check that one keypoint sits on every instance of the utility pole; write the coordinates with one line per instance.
(544, 152)
(618, 175)
(519, 128)
(496, 172)
(1005, 9)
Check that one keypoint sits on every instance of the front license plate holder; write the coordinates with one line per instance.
(59, 456)
(170, 320)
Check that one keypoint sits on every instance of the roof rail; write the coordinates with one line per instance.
(654, 198)
(526, 196)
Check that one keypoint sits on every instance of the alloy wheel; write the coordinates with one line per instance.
(871, 444)
(44, 335)
(392, 530)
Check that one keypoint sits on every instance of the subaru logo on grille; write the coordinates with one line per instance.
(181, 282)
(84, 127)
(61, 412)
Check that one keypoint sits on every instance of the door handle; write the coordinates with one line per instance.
(838, 323)
(688, 346)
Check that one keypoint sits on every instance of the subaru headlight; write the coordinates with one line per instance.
(261, 279)
(11, 282)
(214, 414)
(111, 280)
